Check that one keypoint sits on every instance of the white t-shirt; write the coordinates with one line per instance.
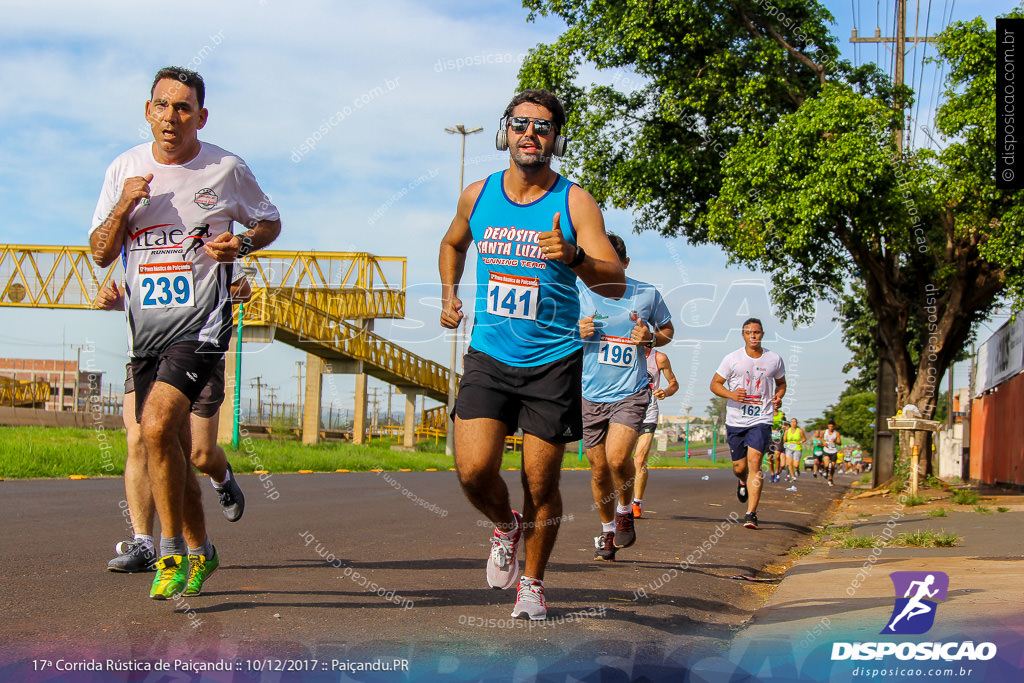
(829, 438)
(654, 378)
(757, 376)
(174, 292)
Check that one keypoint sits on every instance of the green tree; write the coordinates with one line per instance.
(716, 410)
(740, 127)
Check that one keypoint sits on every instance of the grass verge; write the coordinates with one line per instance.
(58, 452)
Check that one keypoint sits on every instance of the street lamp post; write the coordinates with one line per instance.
(449, 441)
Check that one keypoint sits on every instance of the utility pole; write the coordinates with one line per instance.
(899, 54)
(78, 376)
(373, 419)
(272, 391)
(449, 441)
(885, 399)
(259, 399)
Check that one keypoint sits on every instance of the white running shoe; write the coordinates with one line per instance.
(502, 563)
(530, 600)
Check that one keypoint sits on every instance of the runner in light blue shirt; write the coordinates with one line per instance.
(616, 394)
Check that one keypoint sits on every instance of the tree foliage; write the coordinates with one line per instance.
(736, 123)
(716, 409)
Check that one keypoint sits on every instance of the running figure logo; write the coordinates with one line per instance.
(913, 613)
(197, 235)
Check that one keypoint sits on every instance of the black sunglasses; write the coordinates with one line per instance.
(519, 124)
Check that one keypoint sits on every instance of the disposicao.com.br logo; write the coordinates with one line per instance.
(913, 613)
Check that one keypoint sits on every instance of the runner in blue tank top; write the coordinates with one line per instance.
(616, 394)
(535, 233)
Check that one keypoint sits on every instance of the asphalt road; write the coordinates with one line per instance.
(294, 583)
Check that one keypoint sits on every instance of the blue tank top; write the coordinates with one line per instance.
(526, 309)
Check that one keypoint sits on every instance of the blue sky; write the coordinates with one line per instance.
(75, 77)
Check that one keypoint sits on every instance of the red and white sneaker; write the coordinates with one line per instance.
(502, 563)
(530, 600)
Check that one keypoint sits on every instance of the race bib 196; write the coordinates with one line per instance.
(513, 296)
(619, 351)
(166, 285)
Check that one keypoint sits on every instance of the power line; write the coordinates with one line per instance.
(853, 15)
(940, 79)
(920, 85)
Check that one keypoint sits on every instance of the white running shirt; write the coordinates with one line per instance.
(654, 378)
(829, 439)
(757, 376)
(174, 292)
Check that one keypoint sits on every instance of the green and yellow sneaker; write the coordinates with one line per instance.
(171, 577)
(199, 570)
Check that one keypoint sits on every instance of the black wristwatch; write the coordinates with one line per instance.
(578, 258)
(246, 247)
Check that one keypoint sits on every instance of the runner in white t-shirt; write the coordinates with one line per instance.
(831, 440)
(753, 379)
(167, 210)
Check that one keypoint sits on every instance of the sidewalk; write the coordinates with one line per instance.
(845, 595)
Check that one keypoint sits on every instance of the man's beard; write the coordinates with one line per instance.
(530, 162)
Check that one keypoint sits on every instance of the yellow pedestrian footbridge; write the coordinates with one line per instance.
(323, 303)
(23, 393)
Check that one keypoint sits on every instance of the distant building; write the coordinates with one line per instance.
(67, 383)
(675, 427)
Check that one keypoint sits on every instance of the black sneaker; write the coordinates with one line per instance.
(231, 499)
(750, 521)
(605, 547)
(625, 534)
(134, 556)
(741, 491)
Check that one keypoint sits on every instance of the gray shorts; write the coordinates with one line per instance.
(630, 411)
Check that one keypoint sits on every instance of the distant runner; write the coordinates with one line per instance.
(831, 440)
(795, 440)
(776, 451)
(657, 364)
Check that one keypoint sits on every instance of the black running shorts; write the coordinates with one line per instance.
(544, 400)
(209, 401)
(183, 367)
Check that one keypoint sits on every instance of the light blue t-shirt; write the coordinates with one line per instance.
(527, 310)
(614, 367)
